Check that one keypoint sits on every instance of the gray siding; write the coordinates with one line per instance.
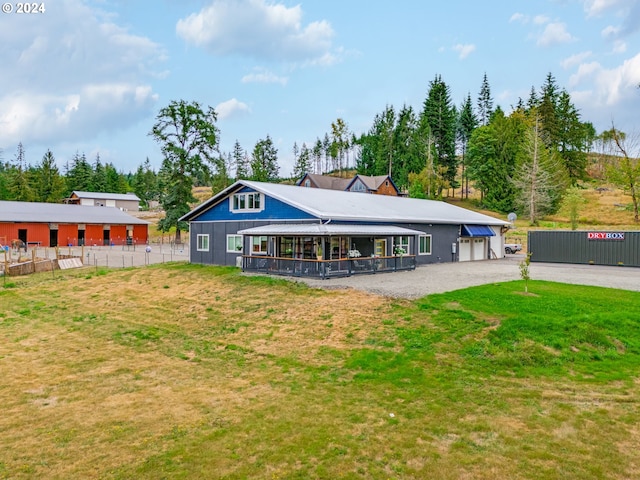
(576, 247)
(442, 236)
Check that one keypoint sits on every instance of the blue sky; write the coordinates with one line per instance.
(90, 75)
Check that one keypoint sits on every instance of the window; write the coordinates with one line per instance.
(358, 186)
(307, 183)
(259, 245)
(203, 243)
(425, 245)
(246, 201)
(401, 245)
(234, 243)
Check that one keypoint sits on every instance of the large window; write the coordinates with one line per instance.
(425, 245)
(246, 202)
(401, 245)
(259, 245)
(234, 243)
(202, 243)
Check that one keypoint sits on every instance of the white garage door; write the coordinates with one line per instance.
(478, 249)
(465, 249)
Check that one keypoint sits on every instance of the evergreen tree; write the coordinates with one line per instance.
(303, 162)
(547, 113)
(485, 102)
(99, 177)
(80, 174)
(145, 183)
(264, 161)
(467, 123)
(241, 161)
(376, 154)
(407, 154)
(440, 115)
(49, 185)
(19, 184)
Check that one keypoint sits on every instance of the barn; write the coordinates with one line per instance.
(52, 225)
(128, 202)
(311, 231)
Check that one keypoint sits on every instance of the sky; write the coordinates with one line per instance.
(89, 76)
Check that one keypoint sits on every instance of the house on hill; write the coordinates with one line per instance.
(54, 224)
(379, 185)
(127, 202)
(291, 230)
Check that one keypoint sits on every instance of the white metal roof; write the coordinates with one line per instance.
(319, 229)
(359, 207)
(59, 213)
(106, 196)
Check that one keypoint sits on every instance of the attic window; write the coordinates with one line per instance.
(242, 202)
(386, 183)
(307, 183)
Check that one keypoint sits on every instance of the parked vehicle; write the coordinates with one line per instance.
(512, 247)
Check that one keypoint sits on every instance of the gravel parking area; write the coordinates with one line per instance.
(444, 277)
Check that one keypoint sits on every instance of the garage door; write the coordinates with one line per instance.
(465, 249)
(478, 249)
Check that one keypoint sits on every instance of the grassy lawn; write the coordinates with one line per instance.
(185, 371)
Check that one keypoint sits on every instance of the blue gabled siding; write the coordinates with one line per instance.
(273, 210)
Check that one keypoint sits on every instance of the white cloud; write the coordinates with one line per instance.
(574, 60)
(519, 17)
(464, 50)
(257, 29)
(264, 76)
(73, 74)
(619, 46)
(554, 34)
(540, 19)
(596, 8)
(231, 108)
(615, 87)
(45, 118)
(610, 31)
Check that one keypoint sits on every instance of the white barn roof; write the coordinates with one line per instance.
(106, 196)
(356, 207)
(58, 213)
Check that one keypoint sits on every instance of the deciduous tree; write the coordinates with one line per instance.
(188, 139)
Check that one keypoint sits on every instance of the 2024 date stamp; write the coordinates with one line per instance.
(23, 8)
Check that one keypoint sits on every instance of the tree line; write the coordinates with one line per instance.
(45, 182)
(523, 161)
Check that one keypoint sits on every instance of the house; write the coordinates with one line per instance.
(317, 232)
(127, 202)
(53, 224)
(379, 185)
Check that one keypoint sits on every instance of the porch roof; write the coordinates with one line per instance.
(328, 229)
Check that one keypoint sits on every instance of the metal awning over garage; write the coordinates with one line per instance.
(323, 230)
(477, 231)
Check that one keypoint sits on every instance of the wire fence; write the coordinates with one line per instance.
(114, 256)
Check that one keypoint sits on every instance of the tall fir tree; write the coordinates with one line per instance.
(485, 102)
(264, 161)
(467, 123)
(50, 186)
(440, 115)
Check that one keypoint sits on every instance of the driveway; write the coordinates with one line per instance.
(445, 277)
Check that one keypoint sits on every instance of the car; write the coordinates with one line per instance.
(512, 247)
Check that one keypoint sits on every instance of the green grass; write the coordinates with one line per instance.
(226, 376)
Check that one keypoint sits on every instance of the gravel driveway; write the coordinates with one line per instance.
(444, 277)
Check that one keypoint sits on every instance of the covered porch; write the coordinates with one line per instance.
(328, 250)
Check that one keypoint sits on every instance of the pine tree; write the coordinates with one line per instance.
(264, 161)
(99, 177)
(485, 102)
(467, 123)
(440, 115)
(303, 162)
(49, 185)
(19, 184)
